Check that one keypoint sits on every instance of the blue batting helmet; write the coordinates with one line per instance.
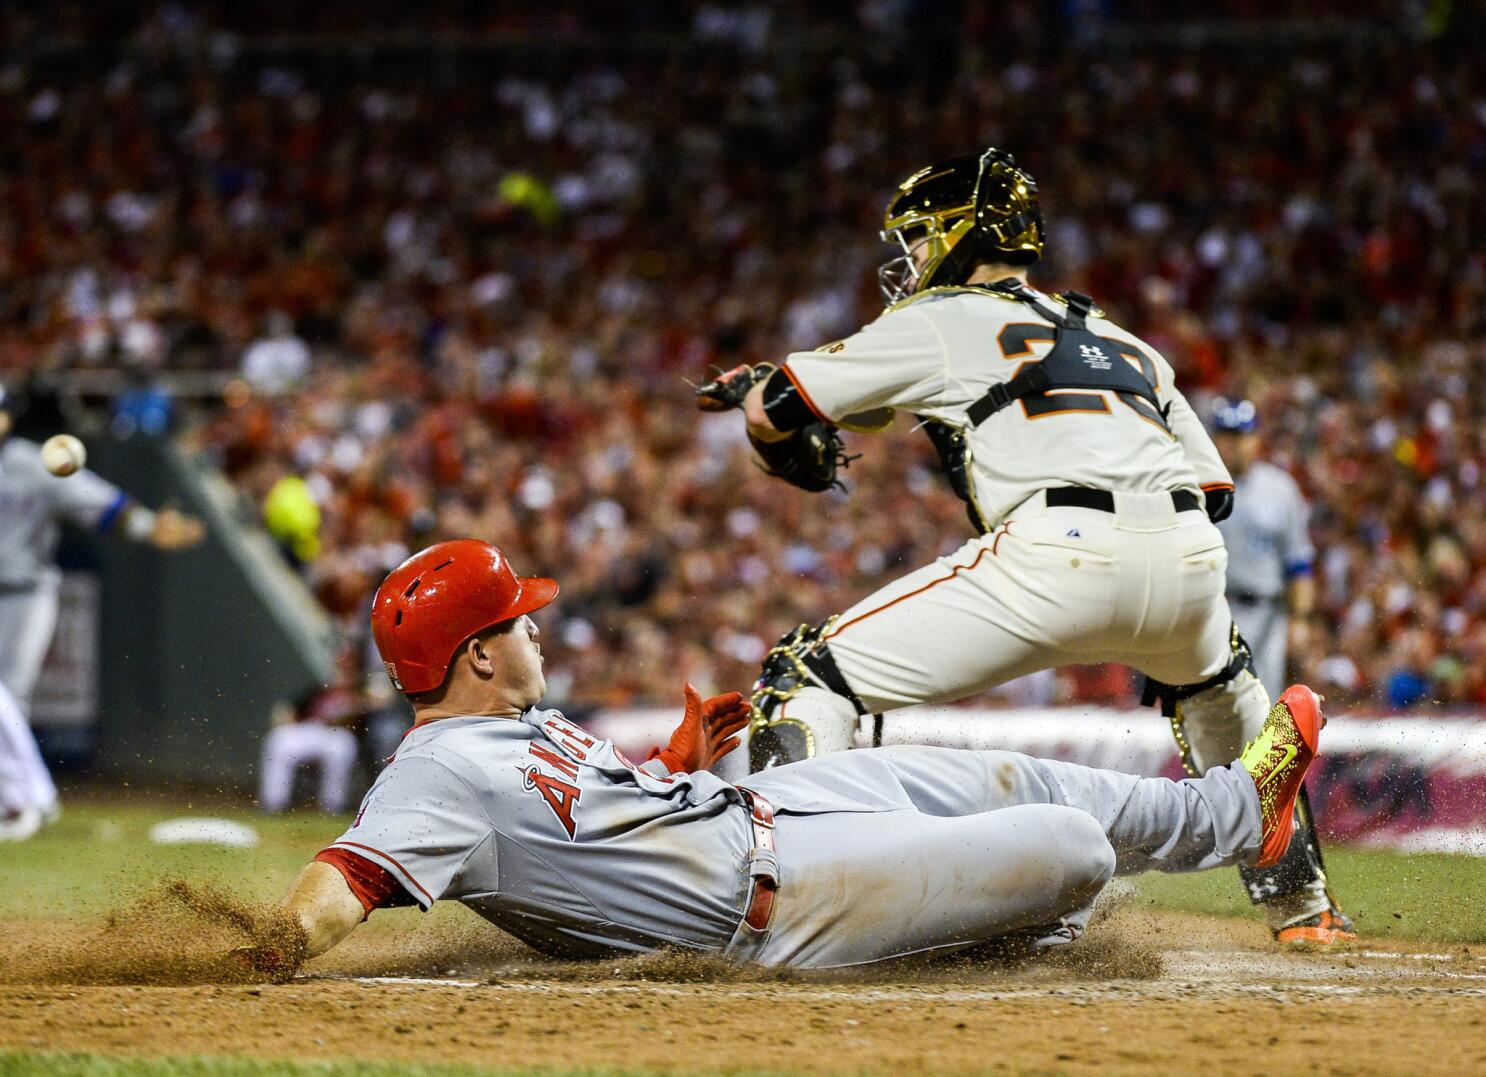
(1234, 416)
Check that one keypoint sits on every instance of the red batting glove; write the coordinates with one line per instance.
(706, 731)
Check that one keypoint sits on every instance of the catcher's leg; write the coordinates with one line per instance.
(802, 707)
(1212, 720)
(983, 615)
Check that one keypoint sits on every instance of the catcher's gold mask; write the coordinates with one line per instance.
(948, 216)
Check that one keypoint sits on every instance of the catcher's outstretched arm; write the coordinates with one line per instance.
(324, 905)
(760, 426)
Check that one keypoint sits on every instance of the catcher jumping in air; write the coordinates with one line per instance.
(1091, 485)
(553, 835)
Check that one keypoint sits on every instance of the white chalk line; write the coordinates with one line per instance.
(1198, 972)
(1077, 994)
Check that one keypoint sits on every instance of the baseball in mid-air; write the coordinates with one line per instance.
(62, 454)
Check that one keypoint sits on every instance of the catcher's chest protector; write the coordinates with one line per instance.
(1079, 359)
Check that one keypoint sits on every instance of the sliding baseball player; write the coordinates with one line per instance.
(554, 836)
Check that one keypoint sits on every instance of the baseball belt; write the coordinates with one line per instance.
(763, 861)
(1250, 598)
(1086, 497)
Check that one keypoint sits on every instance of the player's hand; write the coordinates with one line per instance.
(1219, 503)
(175, 530)
(1301, 634)
(265, 960)
(706, 731)
(728, 389)
(722, 716)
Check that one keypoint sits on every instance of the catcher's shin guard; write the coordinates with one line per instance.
(1296, 887)
(1212, 721)
(802, 705)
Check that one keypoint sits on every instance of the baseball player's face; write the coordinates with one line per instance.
(1239, 450)
(4, 425)
(517, 658)
(921, 249)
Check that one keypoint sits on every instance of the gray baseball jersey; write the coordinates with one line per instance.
(554, 836)
(33, 505)
(1267, 534)
(1268, 545)
(544, 830)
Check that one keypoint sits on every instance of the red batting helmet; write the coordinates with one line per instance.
(437, 599)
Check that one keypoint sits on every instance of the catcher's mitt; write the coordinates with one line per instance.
(808, 458)
(727, 390)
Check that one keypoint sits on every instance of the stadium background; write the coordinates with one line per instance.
(453, 276)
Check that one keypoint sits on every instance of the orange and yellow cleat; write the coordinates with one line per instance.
(1277, 760)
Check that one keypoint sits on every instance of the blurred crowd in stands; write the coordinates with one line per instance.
(466, 294)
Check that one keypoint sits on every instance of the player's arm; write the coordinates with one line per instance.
(1212, 474)
(91, 502)
(322, 902)
(1300, 587)
(898, 361)
(319, 911)
(168, 529)
(792, 411)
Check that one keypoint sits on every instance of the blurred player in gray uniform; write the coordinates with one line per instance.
(1270, 556)
(34, 504)
(557, 838)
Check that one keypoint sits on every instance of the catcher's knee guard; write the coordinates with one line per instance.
(1212, 721)
(801, 677)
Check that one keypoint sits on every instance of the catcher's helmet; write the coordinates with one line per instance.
(969, 209)
(435, 600)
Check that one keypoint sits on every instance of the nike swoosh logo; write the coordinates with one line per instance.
(1290, 753)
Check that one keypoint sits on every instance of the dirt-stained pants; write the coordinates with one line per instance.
(979, 845)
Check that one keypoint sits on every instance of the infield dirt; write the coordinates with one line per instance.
(1146, 993)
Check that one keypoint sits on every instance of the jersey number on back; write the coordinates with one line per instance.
(1016, 342)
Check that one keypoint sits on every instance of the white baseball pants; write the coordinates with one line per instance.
(27, 620)
(331, 749)
(25, 783)
(1051, 586)
(1265, 625)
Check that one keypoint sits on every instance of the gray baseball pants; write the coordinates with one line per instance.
(1265, 625)
(27, 619)
(980, 845)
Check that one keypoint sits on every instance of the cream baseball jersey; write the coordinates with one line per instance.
(936, 354)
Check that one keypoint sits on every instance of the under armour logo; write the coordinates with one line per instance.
(1094, 355)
